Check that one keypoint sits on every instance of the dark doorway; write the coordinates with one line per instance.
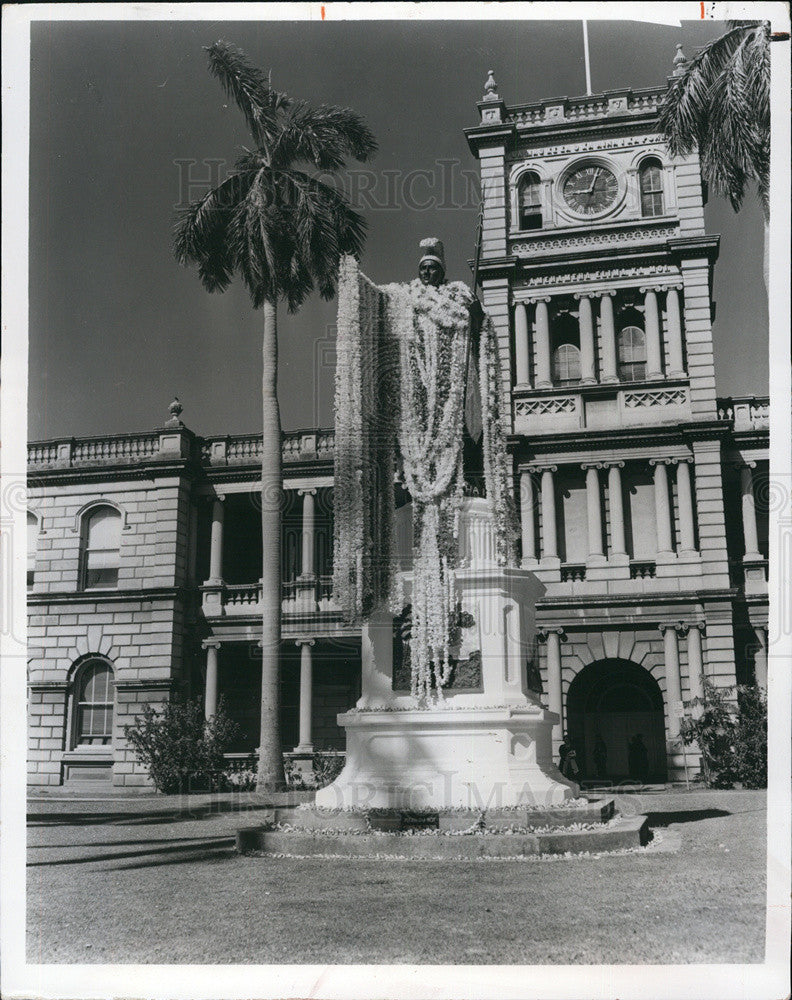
(615, 700)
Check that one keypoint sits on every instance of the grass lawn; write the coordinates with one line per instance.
(141, 888)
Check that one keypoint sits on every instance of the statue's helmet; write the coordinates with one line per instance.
(432, 249)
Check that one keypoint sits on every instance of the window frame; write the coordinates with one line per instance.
(31, 570)
(651, 169)
(86, 550)
(101, 742)
(530, 179)
(633, 361)
(554, 366)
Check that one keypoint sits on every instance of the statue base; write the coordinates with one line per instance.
(448, 758)
(486, 747)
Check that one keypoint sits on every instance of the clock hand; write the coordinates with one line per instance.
(596, 174)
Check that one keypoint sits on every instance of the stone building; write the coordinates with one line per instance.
(643, 496)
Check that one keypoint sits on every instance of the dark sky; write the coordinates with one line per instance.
(117, 327)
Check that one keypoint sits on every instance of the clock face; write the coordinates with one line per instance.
(590, 189)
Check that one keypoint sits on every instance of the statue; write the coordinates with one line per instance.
(436, 356)
(410, 356)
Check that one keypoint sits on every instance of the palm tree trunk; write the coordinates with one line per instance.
(766, 256)
(270, 767)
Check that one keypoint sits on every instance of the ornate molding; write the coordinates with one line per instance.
(592, 240)
(591, 146)
(546, 406)
(609, 274)
(654, 397)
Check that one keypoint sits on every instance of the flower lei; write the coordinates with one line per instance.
(432, 329)
(400, 377)
(366, 410)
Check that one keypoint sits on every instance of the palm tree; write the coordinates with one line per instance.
(720, 104)
(282, 229)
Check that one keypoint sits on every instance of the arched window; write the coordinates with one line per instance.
(566, 349)
(650, 177)
(631, 348)
(566, 364)
(32, 545)
(94, 693)
(101, 548)
(529, 199)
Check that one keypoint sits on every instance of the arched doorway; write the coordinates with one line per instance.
(616, 700)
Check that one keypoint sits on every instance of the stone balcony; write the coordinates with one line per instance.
(745, 413)
(570, 110)
(245, 449)
(600, 407)
(310, 598)
(175, 442)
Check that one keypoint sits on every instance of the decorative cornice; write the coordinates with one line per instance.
(695, 246)
(587, 146)
(595, 240)
(602, 274)
(605, 601)
(108, 596)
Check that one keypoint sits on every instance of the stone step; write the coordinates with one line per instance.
(594, 811)
(623, 833)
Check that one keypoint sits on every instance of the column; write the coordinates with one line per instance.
(305, 744)
(586, 326)
(687, 532)
(662, 505)
(210, 692)
(542, 344)
(674, 332)
(549, 537)
(527, 518)
(760, 657)
(654, 354)
(608, 331)
(521, 344)
(554, 690)
(616, 503)
(593, 509)
(695, 660)
(673, 682)
(749, 511)
(308, 516)
(216, 544)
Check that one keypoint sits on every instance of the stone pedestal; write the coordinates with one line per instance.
(480, 748)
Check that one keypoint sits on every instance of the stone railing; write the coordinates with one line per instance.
(746, 413)
(112, 449)
(245, 449)
(176, 442)
(577, 109)
(298, 597)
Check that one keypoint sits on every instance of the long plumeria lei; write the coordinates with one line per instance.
(366, 411)
(401, 368)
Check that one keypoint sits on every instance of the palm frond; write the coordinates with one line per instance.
(721, 106)
(201, 233)
(249, 88)
(324, 136)
(281, 230)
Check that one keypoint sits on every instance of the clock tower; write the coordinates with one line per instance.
(597, 271)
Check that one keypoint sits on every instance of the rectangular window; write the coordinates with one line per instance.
(652, 203)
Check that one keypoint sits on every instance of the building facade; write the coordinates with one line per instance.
(643, 497)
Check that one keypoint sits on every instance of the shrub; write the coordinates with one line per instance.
(178, 747)
(750, 738)
(327, 766)
(732, 739)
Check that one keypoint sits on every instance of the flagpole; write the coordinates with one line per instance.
(586, 57)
